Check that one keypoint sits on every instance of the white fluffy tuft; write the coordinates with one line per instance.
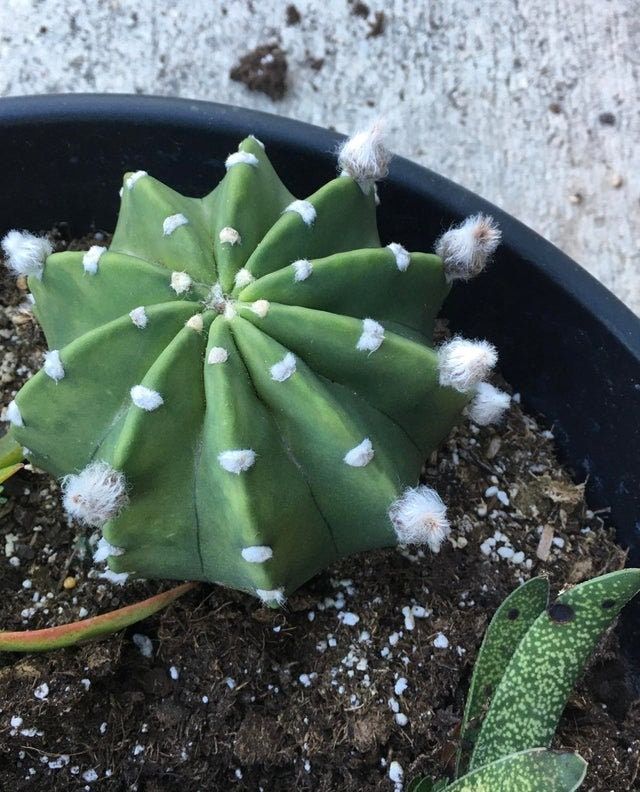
(237, 461)
(257, 554)
(465, 249)
(241, 158)
(217, 355)
(26, 253)
(365, 157)
(372, 336)
(284, 368)
(272, 595)
(488, 405)
(243, 278)
(361, 455)
(261, 308)
(13, 414)
(401, 255)
(104, 550)
(463, 363)
(305, 209)
(92, 257)
(180, 282)
(53, 365)
(195, 323)
(117, 578)
(169, 224)
(145, 398)
(259, 142)
(420, 517)
(302, 268)
(229, 236)
(94, 495)
(130, 181)
(139, 317)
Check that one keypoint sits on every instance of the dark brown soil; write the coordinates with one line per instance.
(263, 69)
(237, 696)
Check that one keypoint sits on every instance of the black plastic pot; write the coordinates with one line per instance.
(566, 343)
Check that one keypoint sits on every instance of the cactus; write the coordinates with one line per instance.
(243, 388)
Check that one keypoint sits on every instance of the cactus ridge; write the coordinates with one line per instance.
(258, 367)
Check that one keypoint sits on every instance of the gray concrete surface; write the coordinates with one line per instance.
(503, 96)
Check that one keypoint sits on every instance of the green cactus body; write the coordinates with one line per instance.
(259, 370)
(544, 668)
(508, 627)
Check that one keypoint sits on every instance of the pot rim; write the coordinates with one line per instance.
(554, 265)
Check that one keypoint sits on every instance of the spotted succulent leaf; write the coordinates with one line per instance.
(538, 680)
(528, 771)
(242, 388)
(508, 627)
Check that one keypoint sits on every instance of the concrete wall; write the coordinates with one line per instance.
(531, 103)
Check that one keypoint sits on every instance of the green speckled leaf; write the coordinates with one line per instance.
(509, 625)
(549, 659)
(426, 785)
(536, 770)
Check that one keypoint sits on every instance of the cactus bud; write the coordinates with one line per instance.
(489, 404)
(95, 495)
(26, 253)
(466, 248)
(463, 364)
(420, 517)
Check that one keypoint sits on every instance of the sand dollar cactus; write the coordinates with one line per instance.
(243, 388)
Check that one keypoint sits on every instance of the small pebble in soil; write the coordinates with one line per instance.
(441, 641)
(42, 691)
(400, 686)
(396, 773)
(144, 644)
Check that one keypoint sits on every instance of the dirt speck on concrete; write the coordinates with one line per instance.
(263, 69)
(377, 27)
(293, 16)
